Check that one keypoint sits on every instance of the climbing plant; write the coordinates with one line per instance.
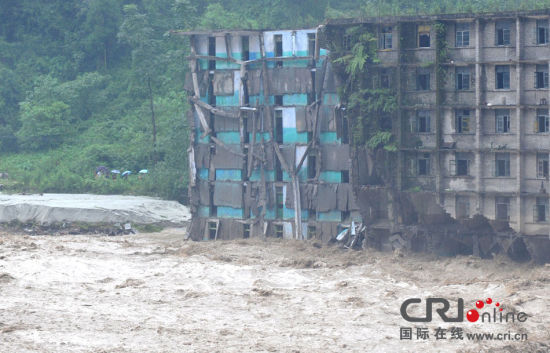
(370, 107)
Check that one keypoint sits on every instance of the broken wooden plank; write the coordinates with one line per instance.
(212, 109)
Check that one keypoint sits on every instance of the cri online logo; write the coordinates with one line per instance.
(472, 315)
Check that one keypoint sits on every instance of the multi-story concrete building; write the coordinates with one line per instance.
(267, 132)
(473, 120)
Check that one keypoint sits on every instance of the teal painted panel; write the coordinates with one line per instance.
(331, 176)
(329, 137)
(295, 99)
(286, 177)
(259, 136)
(302, 174)
(288, 213)
(203, 64)
(204, 211)
(257, 175)
(198, 139)
(228, 101)
(229, 212)
(330, 216)
(255, 100)
(229, 137)
(290, 135)
(203, 174)
(305, 215)
(229, 174)
(270, 214)
(331, 99)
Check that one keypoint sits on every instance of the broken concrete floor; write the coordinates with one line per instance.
(158, 293)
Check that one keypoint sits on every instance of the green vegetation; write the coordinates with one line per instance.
(99, 82)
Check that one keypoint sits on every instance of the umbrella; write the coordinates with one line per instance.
(143, 171)
(126, 173)
(115, 171)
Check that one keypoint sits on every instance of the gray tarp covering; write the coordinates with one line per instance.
(289, 154)
(290, 80)
(226, 124)
(335, 157)
(254, 82)
(284, 80)
(230, 229)
(331, 82)
(228, 194)
(304, 120)
(223, 159)
(202, 155)
(327, 119)
(223, 83)
(327, 197)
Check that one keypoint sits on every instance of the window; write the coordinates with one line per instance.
(502, 29)
(278, 100)
(423, 80)
(462, 207)
(502, 73)
(462, 121)
(279, 126)
(462, 78)
(385, 39)
(279, 201)
(311, 96)
(542, 31)
(385, 81)
(423, 36)
(541, 76)
(542, 165)
(212, 230)
(502, 164)
(462, 34)
(540, 212)
(278, 230)
(423, 164)
(245, 45)
(278, 41)
(502, 208)
(541, 123)
(422, 121)
(345, 129)
(345, 176)
(460, 166)
(502, 121)
(211, 52)
(311, 44)
(311, 232)
(311, 166)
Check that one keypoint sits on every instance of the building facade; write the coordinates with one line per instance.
(472, 123)
(473, 120)
(267, 136)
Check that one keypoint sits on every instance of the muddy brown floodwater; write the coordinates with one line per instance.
(159, 293)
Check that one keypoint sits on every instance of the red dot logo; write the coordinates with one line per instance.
(489, 301)
(479, 304)
(472, 315)
(497, 304)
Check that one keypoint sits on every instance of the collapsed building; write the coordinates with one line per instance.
(269, 151)
(470, 126)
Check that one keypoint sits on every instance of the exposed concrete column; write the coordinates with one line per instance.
(519, 132)
(438, 137)
(479, 126)
(400, 158)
